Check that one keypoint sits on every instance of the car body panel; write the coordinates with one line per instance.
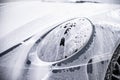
(34, 19)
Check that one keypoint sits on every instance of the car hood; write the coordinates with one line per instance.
(21, 20)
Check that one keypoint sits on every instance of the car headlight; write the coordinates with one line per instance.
(64, 41)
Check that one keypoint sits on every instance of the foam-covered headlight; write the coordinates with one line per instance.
(64, 41)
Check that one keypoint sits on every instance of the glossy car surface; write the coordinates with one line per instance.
(59, 41)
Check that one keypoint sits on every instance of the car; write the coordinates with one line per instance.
(59, 41)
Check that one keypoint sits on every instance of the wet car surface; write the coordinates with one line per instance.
(71, 43)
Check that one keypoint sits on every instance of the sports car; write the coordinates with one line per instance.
(72, 40)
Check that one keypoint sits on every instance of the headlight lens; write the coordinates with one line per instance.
(65, 40)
